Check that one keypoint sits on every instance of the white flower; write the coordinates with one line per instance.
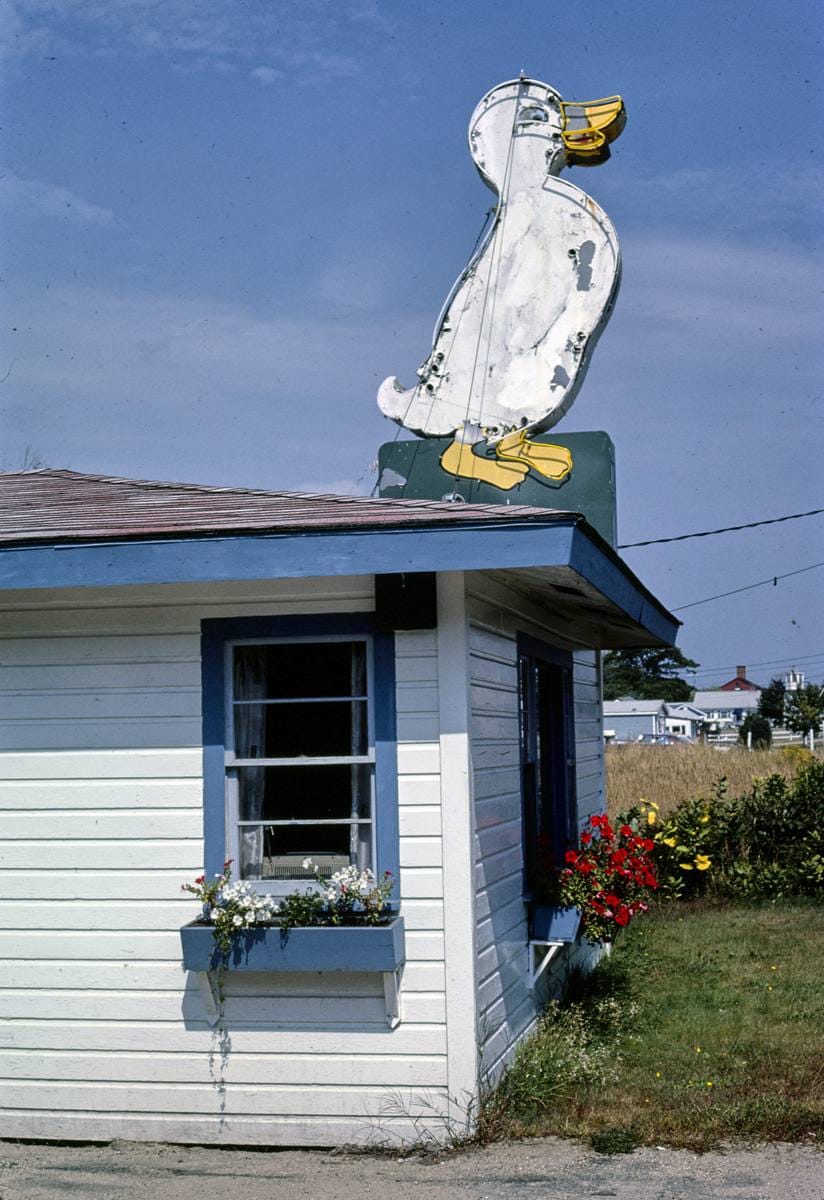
(214, 914)
(307, 864)
(237, 920)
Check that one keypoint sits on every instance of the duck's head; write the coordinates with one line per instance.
(558, 132)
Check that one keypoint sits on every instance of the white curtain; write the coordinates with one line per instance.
(360, 836)
(250, 742)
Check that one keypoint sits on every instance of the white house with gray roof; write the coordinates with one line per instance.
(727, 707)
(190, 674)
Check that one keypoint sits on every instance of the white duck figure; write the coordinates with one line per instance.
(513, 340)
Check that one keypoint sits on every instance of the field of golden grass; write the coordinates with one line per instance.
(670, 774)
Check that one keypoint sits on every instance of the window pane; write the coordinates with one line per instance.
(297, 670)
(304, 793)
(278, 852)
(330, 728)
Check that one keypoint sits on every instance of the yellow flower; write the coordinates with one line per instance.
(702, 862)
(709, 1083)
(769, 987)
(704, 819)
(652, 804)
(651, 817)
(697, 1049)
(685, 866)
(657, 1074)
(773, 968)
(670, 842)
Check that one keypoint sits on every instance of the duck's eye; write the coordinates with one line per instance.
(533, 113)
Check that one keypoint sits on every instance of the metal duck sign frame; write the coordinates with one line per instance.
(516, 333)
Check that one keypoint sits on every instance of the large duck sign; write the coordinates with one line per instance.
(515, 335)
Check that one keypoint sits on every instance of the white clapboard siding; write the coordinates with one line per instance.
(377, 1070)
(103, 1033)
(386, 1129)
(172, 1037)
(589, 734)
(90, 884)
(82, 974)
(213, 1098)
(507, 1008)
(276, 1008)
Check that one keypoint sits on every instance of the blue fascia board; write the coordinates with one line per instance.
(469, 547)
(601, 567)
(286, 555)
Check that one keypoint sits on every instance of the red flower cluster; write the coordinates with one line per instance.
(608, 877)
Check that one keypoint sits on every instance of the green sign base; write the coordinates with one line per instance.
(412, 471)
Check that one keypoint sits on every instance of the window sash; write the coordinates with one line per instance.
(233, 824)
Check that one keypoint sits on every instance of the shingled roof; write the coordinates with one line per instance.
(59, 505)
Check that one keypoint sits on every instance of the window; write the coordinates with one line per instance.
(547, 758)
(299, 747)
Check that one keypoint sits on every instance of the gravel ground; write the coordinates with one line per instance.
(545, 1169)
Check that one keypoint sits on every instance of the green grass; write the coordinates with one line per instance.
(706, 1024)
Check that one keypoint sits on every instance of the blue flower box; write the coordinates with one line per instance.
(312, 948)
(550, 924)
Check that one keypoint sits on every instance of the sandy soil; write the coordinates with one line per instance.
(546, 1169)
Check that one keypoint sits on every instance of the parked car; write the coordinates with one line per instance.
(664, 739)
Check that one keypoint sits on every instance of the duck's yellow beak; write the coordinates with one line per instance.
(589, 127)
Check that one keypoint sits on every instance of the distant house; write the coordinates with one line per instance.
(727, 707)
(740, 683)
(685, 719)
(626, 720)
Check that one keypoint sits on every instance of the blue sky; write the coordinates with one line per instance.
(226, 223)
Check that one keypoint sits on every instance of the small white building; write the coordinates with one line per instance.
(727, 707)
(627, 719)
(685, 719)
(195, 673)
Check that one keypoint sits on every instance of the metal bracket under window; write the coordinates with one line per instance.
(391, 996)
(538, 962)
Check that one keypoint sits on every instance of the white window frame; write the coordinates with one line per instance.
(281, 887)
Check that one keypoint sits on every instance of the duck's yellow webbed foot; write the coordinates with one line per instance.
(460, 460)
(555, 462)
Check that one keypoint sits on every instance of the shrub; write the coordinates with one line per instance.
(575, 1049)
(767, 843)
(760, 729)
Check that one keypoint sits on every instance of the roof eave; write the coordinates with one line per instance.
(565, 541)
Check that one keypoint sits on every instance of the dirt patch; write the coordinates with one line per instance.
(549, 1169)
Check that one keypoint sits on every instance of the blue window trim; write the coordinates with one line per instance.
(215, 633)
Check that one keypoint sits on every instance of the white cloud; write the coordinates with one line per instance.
(298, 37)
(51, 200)
(266, 75)
(158, 385)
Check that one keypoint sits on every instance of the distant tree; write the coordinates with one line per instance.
(647, 675)
(760, 729)
(771, 701)
(804, 708)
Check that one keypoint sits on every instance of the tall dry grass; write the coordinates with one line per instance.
(670, 774)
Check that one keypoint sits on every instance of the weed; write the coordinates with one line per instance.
(690, 1035)
(615, 1140)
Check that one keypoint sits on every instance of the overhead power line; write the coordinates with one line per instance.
(791, 660)
(748, 587)
(683, 537)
